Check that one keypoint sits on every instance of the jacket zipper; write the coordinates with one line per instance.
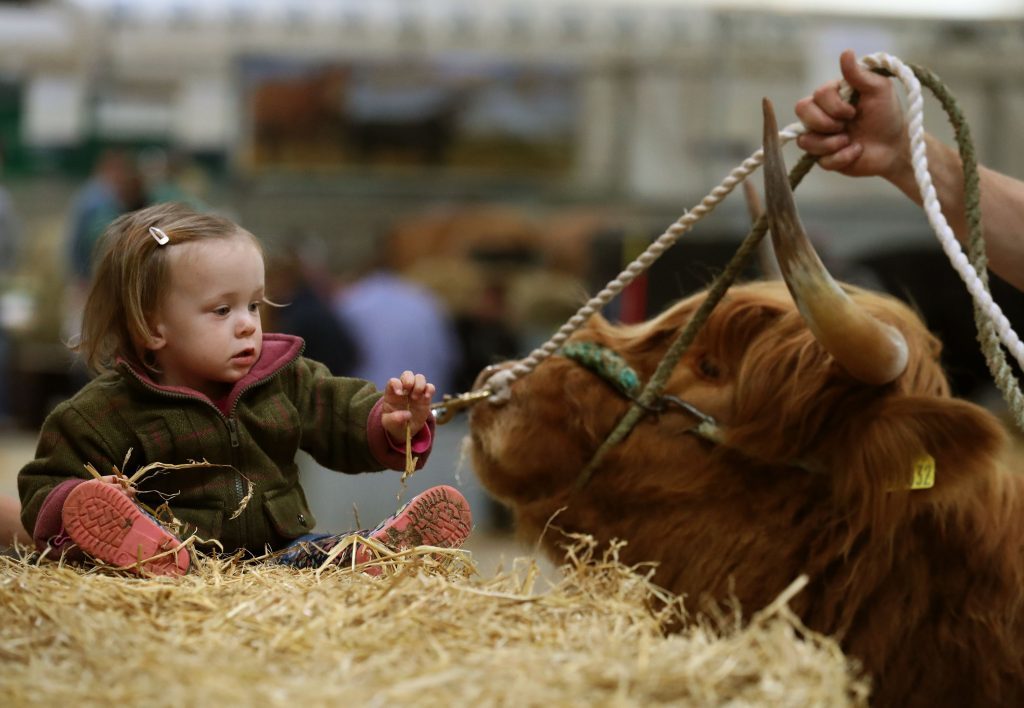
(230, 419)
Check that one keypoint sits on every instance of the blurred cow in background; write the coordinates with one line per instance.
(799, 436)
(298, 118)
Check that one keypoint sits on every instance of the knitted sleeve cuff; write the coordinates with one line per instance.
(49, 522)
(391, 454)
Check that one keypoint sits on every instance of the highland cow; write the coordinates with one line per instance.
(818, 437)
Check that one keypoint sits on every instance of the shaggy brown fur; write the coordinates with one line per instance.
(925, 587)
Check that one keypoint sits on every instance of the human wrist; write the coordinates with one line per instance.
(901, 172)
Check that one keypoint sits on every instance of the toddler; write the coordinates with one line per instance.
(187, 375)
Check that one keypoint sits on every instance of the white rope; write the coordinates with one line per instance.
(933, 210)
(499, 383)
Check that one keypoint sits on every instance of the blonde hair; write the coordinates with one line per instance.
(132, 273)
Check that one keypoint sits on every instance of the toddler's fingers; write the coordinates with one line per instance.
(396, 387)
(398, 417)
(419, 386)
(120, 482)
(408, 380)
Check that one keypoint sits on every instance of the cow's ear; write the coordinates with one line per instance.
(927, 447)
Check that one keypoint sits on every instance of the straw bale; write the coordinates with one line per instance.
(430, 631)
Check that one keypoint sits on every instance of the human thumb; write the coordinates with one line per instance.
(860, 79)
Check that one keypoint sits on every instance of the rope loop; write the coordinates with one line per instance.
(994, 329)
(500, 382)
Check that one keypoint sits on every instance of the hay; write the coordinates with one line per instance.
(430, 631)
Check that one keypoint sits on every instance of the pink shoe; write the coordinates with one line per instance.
(439, 516)
(105, 523)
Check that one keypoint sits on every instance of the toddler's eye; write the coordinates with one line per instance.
(254, 306)
(223, 310)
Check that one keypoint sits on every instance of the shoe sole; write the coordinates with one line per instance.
(107, 525)
(438, 517)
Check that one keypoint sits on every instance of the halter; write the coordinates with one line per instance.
(614, 370)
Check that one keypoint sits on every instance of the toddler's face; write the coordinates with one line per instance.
(207, 333)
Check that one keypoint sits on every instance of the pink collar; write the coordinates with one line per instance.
(279, 350)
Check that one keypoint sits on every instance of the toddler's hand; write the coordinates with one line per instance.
(119, 482)
(406, 400)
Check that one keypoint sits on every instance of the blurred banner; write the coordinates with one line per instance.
(448, 111)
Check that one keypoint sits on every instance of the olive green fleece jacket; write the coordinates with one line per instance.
(286, 403)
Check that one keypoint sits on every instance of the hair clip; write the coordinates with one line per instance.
(159, 236)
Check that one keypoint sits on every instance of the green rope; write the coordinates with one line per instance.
(685, 338)
(987, 335)
(605, 363)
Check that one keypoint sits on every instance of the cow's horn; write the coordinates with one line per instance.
(867, 349)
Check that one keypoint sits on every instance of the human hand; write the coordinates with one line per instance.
(121, 482)
(864, 140)
(406, 401)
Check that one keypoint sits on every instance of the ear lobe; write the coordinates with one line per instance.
(155, 339)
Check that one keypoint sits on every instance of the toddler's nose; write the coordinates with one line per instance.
(247, 324)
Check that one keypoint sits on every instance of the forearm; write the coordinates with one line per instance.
(341, 421)
(390, 452)
(1002, 207)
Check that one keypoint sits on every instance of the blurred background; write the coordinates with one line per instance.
(460, 172)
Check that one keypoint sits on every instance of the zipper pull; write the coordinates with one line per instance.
(233, 432)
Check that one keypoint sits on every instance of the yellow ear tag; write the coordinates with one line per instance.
(924, 473)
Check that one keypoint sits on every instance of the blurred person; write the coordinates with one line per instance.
(10, 252)
(485, 333)
(306, 312)
(10, 228)
(113, 188)
(870, 139)
(473, 295)
(396, 322)
(163, 175)
(185, 371)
